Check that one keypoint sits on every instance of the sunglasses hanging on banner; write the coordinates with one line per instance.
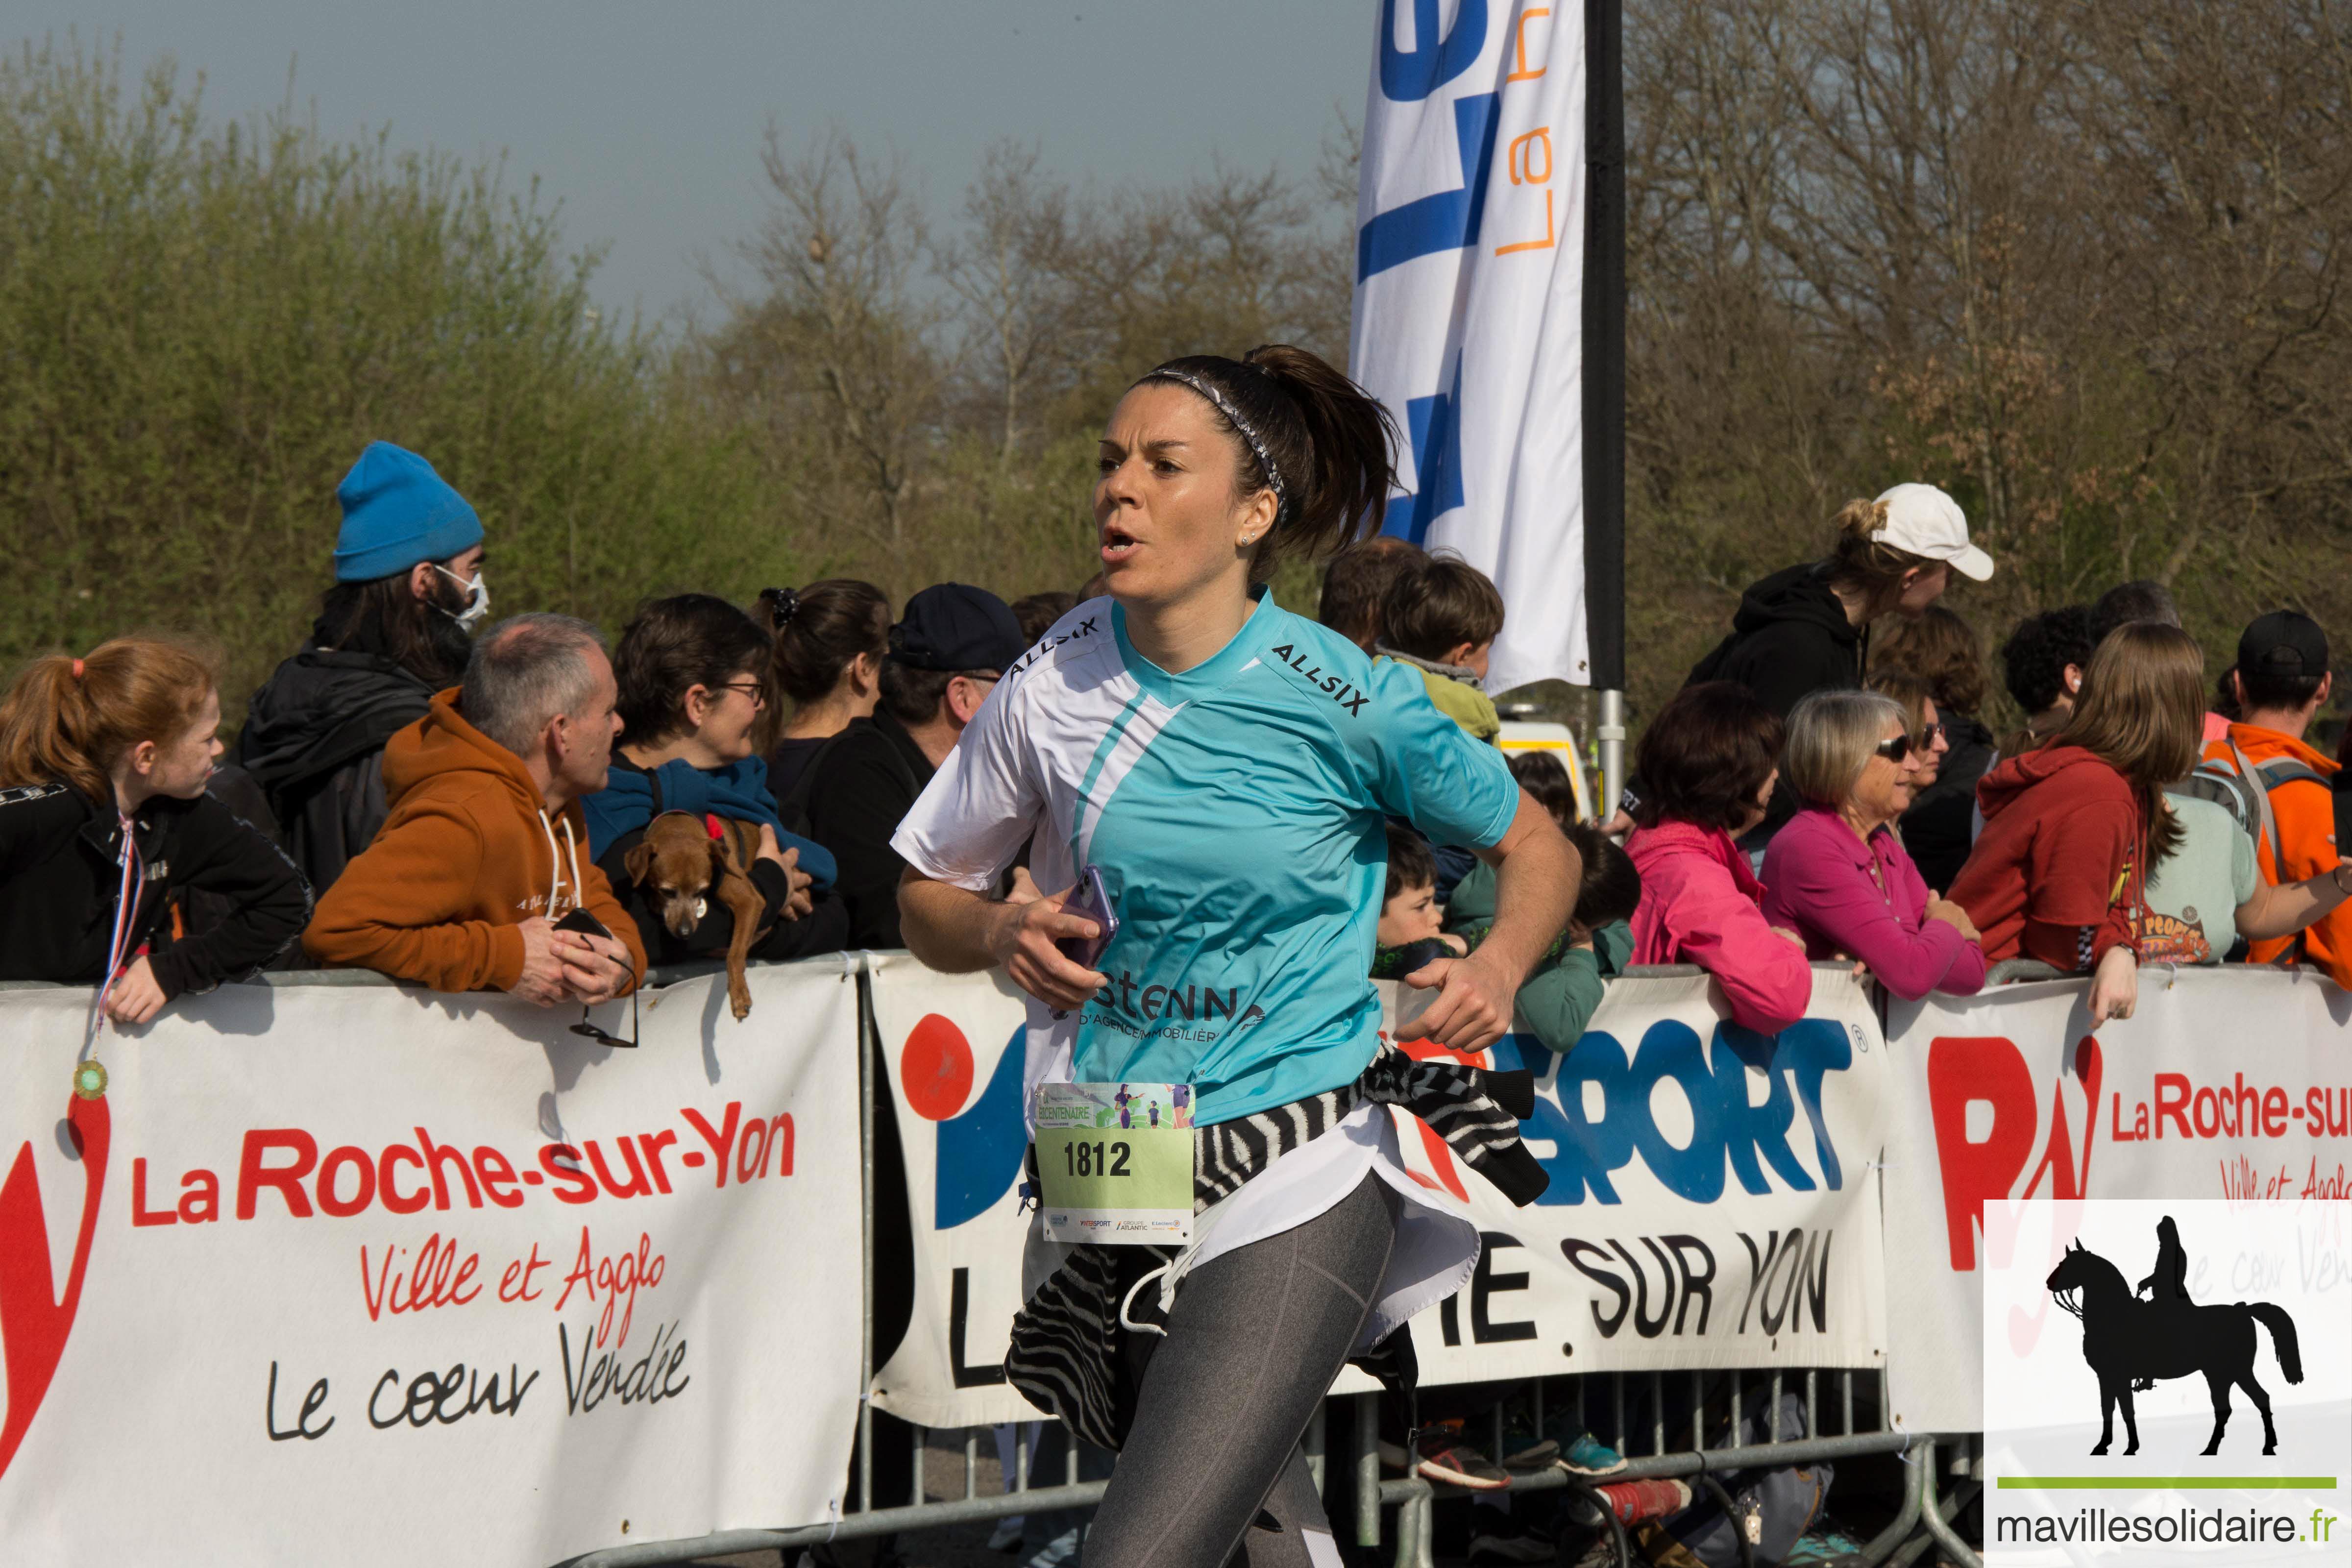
(586, 924)
(591, 1031)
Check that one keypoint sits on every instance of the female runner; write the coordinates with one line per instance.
(1226, 766)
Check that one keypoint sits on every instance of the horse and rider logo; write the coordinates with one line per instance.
(2132, 1344)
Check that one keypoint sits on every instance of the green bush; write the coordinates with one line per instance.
(201, 327)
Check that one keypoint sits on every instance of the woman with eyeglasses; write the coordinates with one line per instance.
(1839, 876)
(693, 677)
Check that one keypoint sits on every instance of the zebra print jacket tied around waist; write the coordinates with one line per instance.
(1069, 1355)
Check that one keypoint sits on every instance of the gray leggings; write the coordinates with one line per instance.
(1211, 1469)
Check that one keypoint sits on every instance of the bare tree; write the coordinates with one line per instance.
(1009, 270)
(846, 340)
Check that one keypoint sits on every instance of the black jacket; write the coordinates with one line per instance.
(859, 792)
(1936, 829)
(1789, 639)
(313, 739)
(60, 877)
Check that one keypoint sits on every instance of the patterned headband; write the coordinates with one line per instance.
(1241, 427)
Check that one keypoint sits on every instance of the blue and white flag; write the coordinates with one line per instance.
(1468, 311)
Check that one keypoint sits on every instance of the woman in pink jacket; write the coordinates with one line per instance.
(1707, 763)
(1837, 872)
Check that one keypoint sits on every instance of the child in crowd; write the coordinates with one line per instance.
(1408, 937)
(1441, 616)
(1562, 991)
(104, 821)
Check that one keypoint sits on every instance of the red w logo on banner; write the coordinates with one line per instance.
(1990, 1071)
(33, 1321)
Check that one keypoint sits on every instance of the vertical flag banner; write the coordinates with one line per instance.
(1468, 308)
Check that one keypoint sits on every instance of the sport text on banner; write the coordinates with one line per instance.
(2224, 1084)
(324, 1253)
(1467, 323)
(1714, 1197)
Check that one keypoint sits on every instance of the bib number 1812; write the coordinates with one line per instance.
(1093, 1160)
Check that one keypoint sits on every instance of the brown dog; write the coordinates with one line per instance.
(686, 860)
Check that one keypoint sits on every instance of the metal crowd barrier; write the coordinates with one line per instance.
(1925, 1521)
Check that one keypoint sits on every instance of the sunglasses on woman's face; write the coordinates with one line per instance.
(1896, 750)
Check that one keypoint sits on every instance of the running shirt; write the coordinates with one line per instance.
(1235, 812)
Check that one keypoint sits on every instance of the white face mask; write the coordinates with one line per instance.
(476, 607)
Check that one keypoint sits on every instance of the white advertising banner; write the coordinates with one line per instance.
(1714, 1198)
(2224, 1084)
(953, 1046)
(1468, 318)
(363, 1275)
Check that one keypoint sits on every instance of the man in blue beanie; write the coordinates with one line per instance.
(394, 629)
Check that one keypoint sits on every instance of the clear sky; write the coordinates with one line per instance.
(645, 119)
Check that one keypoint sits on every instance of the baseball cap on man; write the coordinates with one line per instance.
(949, 626)
(396, 512)
(2283, 643)
(1923, 520)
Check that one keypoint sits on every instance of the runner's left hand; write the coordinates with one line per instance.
(1473, 1009)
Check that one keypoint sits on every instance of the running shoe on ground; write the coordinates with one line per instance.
(1537, 1456)
(1824, 1546)
(1498, 1537)
(1006, 1536)
(1631, 1502)
(1446, 1459)
(1586, 1455)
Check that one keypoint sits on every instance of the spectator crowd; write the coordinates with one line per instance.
(520, 809)
(504, 808)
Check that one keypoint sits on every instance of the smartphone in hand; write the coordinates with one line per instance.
(1090, 902)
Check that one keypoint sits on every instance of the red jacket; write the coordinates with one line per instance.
(2055, 875)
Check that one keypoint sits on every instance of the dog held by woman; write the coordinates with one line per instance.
(686, 861)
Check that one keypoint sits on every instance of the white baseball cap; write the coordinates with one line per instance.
(1923, 520)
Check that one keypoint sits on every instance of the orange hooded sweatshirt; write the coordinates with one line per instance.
(467, 854)
(2307, 847)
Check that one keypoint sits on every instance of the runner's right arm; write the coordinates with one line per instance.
(956, 931)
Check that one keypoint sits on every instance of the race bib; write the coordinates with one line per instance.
(1116, 1160)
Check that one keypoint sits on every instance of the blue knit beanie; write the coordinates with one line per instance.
(396, 512)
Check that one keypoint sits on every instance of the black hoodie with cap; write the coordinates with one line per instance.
(1790, 639)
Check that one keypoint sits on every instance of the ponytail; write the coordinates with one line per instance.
(821, 628)
(65, 720)
(1858, 561)
(1320, 443)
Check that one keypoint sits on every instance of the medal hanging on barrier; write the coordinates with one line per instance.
(1115, 1162)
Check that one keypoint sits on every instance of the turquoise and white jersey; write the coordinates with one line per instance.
(1235, 814)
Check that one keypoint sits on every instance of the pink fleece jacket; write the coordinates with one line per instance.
(1819, 879)
(1700, 904)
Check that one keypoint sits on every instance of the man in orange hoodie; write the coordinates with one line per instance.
(2282, 681)
(466, 886)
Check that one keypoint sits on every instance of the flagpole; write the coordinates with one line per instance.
(1604, 382)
